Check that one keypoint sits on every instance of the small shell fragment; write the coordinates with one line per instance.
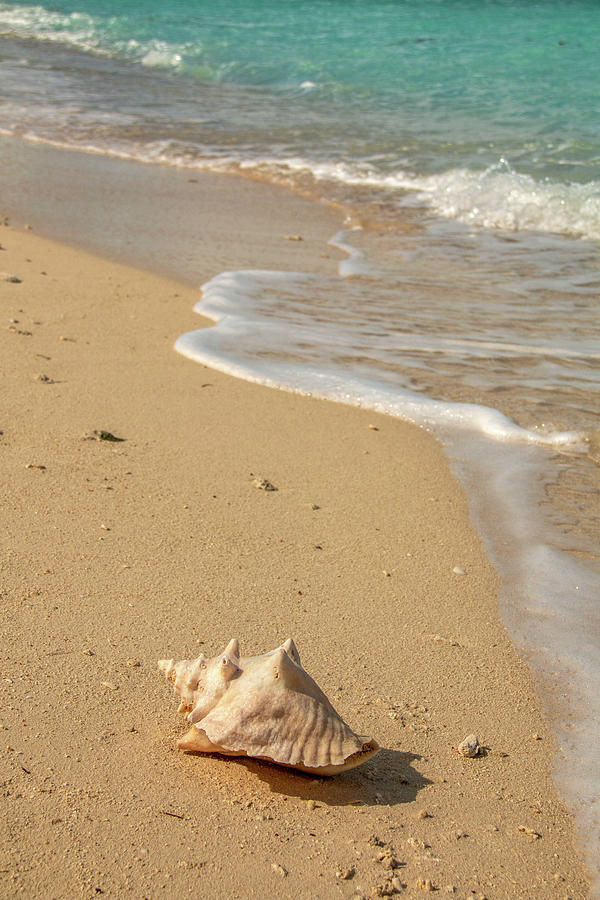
(263, 484)
(530, 832)
(470, 747)
(345, 874)
(100, 434)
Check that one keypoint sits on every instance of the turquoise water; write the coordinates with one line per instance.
(465, 137)
(455, 100)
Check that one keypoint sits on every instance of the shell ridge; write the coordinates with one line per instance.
(302, 743)
(324, 739)
(249, 728)
(328, 743)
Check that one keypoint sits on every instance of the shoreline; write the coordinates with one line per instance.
(97, 203)
(208, 557)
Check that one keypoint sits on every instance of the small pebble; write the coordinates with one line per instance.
(263, 484)
(12, 279)
(423, 814)
(425, 884)
(345, 874)
(293, 237)
(373, 427)
(387, 889)
(109, 685)
(388, 860)
(102, 435)
(524, 829)
(279, 869)
(416, 844)
(458, 570)
(470, 747)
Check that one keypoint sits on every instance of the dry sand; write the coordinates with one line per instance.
(116, 554)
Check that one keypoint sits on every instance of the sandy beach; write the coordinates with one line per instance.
(115, 554)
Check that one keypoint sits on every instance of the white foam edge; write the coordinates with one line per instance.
(355, 262)
(228, 290)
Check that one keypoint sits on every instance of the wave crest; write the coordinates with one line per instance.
(502, 198)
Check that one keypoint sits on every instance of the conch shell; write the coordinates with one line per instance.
(265, 706)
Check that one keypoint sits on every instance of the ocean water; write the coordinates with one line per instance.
(462, 140)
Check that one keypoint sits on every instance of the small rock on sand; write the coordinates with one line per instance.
(345, 874)
(530, 832)
(263, 484)
(470, 747)
(99, 434)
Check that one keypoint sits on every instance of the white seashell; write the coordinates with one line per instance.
(264, 706)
